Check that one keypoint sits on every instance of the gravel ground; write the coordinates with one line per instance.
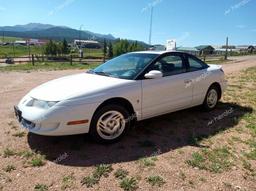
(167, 138)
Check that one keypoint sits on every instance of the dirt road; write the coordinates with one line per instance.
(239, 63)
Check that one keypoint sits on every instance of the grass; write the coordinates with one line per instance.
(121, 173)
(241, 90)
(215, 160)
(8, 153)
(147, 162)
(26, 154)
(19, 134)
(90, 181)
(41, 187)
(102, 170)
(68, 182)
(251, 121)
(10, 51)
(247, 165)
(129, 184)
(17, 50)
(37, 160)
(93, 52)
(48, 66)
(9, 168)
(10, 39)
(251, 155)
(155, 181)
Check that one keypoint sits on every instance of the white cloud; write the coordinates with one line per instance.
(60, 7)
(150, 5)
(236, 6)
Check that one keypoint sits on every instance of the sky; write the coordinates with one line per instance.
(190, 22)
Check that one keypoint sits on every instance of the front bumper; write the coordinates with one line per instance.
(55, 121)
(25, 123)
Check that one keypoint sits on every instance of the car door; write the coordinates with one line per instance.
(169, 93)
(201, 79)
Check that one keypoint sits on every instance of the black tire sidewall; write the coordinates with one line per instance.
(93, 127)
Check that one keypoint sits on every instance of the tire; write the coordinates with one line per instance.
(109, 124)
(211, 98)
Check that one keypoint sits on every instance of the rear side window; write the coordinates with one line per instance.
(195, 64)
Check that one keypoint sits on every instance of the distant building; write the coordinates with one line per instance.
(36, 42)
(158, 47)
(205, 49)
(190, 50)
(20, 42)
(87, 44)
(251, 49)
(246, 48)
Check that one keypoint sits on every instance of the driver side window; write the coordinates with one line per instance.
(170, 65)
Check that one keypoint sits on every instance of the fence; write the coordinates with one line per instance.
(43, 58)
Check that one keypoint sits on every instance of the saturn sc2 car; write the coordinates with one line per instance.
(105, 101)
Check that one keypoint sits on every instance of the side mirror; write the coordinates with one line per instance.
(154, 74)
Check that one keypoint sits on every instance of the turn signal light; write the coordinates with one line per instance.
(78, 122)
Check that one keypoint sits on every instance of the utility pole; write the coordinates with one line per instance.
(150, 25)
(226, 53)
(80, 30)
(80, 49)
(13, 49)
(29, 51)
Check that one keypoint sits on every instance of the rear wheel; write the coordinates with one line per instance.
(211, 98)
(109, 124)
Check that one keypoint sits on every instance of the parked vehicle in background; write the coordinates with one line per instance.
(9, 61)
(105, 101)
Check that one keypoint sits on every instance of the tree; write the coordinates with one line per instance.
(64, 47)
(124, 46)
(56, 48)
(51, 48)
(110, 50)
(104, 49)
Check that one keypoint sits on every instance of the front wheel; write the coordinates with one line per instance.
(211, 98)
(109, 124)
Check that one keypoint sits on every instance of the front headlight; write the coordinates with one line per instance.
(41, 104)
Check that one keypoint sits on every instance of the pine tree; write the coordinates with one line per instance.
(104, 49)
(110, 50)
(64, 47)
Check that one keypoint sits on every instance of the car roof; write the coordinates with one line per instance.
(157, 52)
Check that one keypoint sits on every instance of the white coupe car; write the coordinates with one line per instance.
(105, 101)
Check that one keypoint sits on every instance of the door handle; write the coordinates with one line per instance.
(187, 81)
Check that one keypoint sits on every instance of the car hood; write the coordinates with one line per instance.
(74, 86)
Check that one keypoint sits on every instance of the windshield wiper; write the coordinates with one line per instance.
(98, 73)
(90, 72)
(101, 73)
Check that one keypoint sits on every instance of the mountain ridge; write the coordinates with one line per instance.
(48, 31)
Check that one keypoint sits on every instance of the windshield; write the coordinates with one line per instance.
(126, 66)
